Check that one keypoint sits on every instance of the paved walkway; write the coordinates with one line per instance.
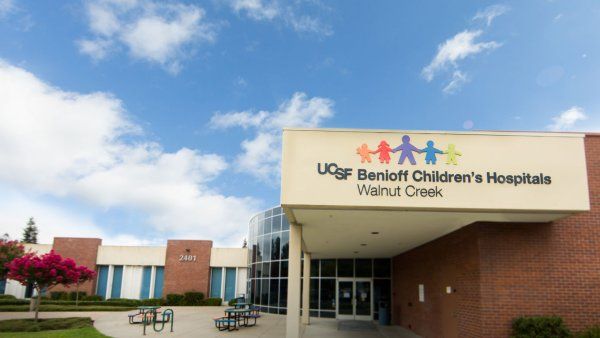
(197, 322)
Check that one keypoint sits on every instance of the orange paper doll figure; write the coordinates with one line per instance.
(384, 152)
(364, 152)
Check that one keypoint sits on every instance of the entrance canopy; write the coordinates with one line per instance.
(377, 193)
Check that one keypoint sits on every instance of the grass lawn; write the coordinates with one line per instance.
(51, 328)
(52, 307)
(86, 332)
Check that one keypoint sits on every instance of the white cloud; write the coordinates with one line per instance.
(96, 49)
(7, 7)
(158, 32)
(455, 49)
(558, 17)
(261, 155)
(71, 146)
(489, 13)
(256, 9)
(289, 14)
(458, 80)
(567, 119)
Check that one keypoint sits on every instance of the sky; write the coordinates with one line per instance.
(140, 121)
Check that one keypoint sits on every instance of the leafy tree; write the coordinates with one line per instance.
(30, 232)
(9, 250)
(45, 272)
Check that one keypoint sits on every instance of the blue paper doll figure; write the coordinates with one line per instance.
(407, 150)
(430, 152)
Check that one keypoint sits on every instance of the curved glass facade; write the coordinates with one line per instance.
(268, 270)
(268, 242)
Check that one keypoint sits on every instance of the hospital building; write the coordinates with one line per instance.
(448, 234)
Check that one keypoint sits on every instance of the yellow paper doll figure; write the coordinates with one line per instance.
(451, 154)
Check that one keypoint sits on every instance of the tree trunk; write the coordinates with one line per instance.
(77, 295)
(39, 300)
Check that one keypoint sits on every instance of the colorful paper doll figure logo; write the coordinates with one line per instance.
(451, 154)
(364, 152)
(430, 152)
(407, 151)
(384, 152)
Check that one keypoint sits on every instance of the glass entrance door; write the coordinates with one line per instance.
(354, 299)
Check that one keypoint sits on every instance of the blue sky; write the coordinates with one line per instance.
(138, 121)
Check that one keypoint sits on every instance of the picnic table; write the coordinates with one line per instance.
(237, 317)
(242, 305)
(143, 311)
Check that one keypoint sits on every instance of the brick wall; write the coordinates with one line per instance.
(84, 251)
(452, 261)
(545, 269)
(502, 271)
(181, 276)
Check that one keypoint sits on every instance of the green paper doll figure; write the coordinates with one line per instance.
(451, 154)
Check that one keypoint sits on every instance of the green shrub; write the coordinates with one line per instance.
(25, 308)
(124, 301)
(192, 298)
(73, 295)
(539, 327)
(232, 302)
(151, 302)
(212, 302)
(592, 332)
(13, 301)
(59, 295)
(174, 299)
(28, 325)
(93, 298)
(7, 297)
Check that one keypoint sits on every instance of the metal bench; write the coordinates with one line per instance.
(224, 323)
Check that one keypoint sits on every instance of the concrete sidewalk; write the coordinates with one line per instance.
(198, 322)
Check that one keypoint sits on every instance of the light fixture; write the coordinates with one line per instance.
(363, 244)
(355, 252)
(375, 233)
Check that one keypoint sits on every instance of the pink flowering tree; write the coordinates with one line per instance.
(84, 275)
(45, 272)
(9, 250)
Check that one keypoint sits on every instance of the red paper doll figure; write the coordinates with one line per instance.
(364, 152)
(384, 152)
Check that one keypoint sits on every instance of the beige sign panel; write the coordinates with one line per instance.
(482, 171)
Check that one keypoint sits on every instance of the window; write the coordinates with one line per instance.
(345, 268)
(102, 280)
(146, 276)
(115, 291)
(159, 277)
(216, 275)
(364, 268)
(327, 294)
(314, 268)
(276, 224)
(230, 279)
(382, 268)
(328, 268)
(274, 292)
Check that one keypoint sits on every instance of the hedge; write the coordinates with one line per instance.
(527, 327)
(49, 308)
(7, 297)
(28, 325)
(592, 332)
(64, 295)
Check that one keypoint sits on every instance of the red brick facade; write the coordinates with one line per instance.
(183, 276)
(500, 271)
(84, 251)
